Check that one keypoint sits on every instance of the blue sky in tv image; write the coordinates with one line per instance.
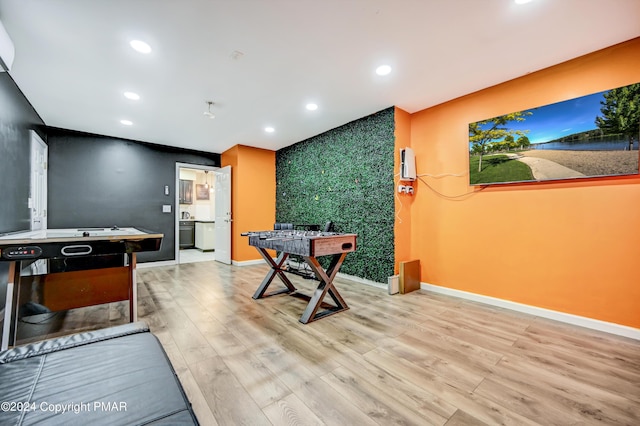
(561, 119)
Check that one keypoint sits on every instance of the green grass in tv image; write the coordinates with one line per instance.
(498, 168)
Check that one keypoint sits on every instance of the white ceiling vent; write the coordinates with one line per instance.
(7, 51)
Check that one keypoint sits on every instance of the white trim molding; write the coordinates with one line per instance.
(248, 262)
(155, 263)
(607, 327)
(362, 281)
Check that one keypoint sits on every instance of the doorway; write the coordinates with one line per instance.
(195, 202)
(38, 185)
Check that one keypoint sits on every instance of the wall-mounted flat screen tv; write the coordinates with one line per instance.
(591, 136)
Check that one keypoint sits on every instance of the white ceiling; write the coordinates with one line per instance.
(73, 60)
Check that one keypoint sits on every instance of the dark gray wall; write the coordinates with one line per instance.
(93, 180)
(17, 117)
(98, 181)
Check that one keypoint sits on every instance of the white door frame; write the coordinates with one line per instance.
(176, 203)
(38, 182)
(222, 235)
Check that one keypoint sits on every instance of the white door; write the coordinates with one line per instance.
(222, 235)
(38, 192)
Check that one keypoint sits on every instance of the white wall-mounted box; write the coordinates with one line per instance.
(407, 164)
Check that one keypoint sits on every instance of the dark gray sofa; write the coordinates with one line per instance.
(115, 376)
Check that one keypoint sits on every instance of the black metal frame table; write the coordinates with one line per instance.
(309, 245)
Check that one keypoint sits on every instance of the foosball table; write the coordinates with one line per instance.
(309, 245)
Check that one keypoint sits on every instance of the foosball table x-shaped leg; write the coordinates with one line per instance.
(325, 287)
(276, 269)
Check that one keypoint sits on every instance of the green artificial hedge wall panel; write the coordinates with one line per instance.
(345, 175)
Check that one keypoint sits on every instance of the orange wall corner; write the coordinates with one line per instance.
(403, 202)
(253, 195)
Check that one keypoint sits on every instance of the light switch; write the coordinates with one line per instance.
(166, 208)
(166, 190)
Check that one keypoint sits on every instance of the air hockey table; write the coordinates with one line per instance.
(60, 251)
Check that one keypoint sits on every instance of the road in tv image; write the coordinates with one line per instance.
(594, 135)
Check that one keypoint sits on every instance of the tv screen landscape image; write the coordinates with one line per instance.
(590, 136)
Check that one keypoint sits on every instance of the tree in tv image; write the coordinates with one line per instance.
(492, 136)
(591, 136)
(621, 113)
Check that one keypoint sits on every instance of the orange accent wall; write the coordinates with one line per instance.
(253, 195)
(571, 246)
(402, 225)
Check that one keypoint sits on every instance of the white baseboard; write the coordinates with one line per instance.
(607, 327)
(248, 262)
(362, 281)
(154, 264)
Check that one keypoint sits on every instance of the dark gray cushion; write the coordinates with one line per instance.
(117, 376)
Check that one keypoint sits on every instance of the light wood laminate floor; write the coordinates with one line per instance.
(414, 359)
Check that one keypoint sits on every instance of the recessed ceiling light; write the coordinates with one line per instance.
(140, 46)
(383, 70)
(131, 95)
(312, 107)
(126, 122)
(522, 1)
(269, 129)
